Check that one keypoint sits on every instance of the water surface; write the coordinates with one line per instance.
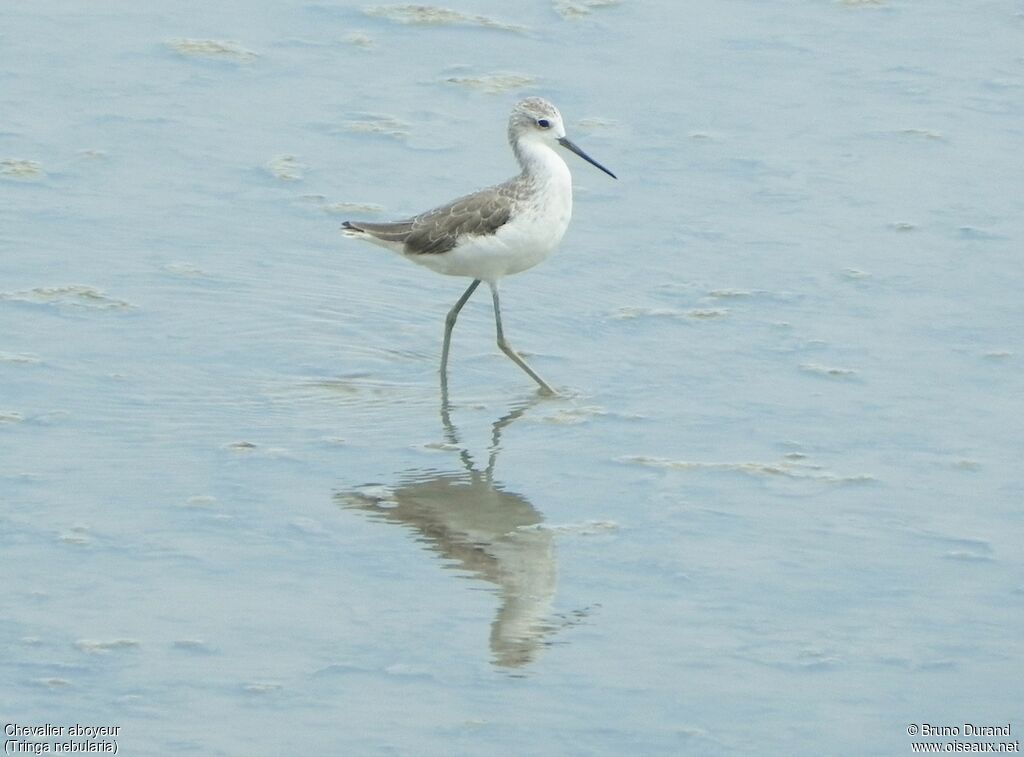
(775, 511)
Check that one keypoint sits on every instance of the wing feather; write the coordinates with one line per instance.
(439, 230)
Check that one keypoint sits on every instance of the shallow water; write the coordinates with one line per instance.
(775, 511)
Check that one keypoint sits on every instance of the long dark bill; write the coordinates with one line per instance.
(568, 144)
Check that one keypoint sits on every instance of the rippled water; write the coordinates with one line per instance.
(776, 510)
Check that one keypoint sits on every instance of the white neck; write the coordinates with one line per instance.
(540, 161)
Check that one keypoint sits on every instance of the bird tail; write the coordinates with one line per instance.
(384, 232)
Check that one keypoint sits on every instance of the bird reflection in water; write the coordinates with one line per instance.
(475, 525)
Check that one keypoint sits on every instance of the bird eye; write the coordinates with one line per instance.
(543, 123)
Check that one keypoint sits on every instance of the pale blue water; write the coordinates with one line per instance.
(777, 511)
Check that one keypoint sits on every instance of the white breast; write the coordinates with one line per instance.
(538, 223)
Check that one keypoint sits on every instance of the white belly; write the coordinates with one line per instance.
(528, 238)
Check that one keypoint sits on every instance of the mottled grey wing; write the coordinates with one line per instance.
(478, 214)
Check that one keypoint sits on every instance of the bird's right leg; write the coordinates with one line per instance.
(449, 324)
